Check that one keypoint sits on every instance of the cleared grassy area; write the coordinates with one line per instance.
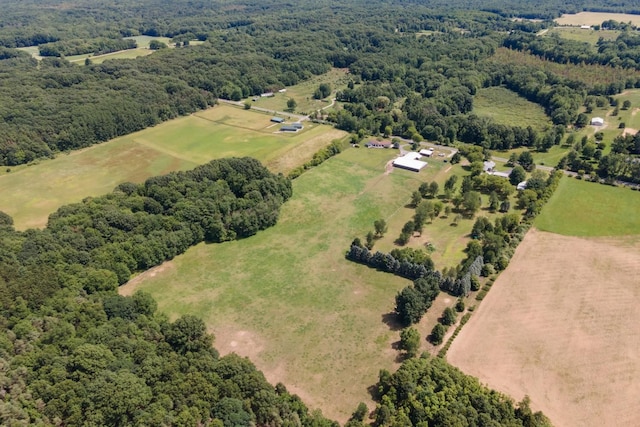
(31, 193)
(580, 208)
(144, 41)
(596, 18)
(506, 107)
(583, 35)
(288, 299)
(302, 93)
(121, 54)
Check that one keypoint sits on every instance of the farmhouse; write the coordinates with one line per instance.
(597, 121)
(289, 128)
(410, 161)
(427, 152)
(488, 166)
(277, 119)
(378, 144)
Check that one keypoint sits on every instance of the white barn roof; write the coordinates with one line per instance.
(426, 152)
(410, 161)
(597, 121)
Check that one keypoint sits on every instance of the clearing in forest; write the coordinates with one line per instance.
(302, 93)
(596, 18)
(508, 108)
(583, 35)
(289, 299)
(32, 192)
(561, 326)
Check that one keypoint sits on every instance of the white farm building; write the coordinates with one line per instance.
(410, 161)
(597, 121)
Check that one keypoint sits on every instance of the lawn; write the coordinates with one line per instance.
(580, 208)
(144, 41)
(32, 192)
(288, 299)
(506, 107)
(302, 93)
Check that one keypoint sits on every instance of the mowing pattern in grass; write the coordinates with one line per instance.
(580, 208)
(31, 193)
(507, 108)
(288, 298)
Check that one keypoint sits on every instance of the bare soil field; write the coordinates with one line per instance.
(596, 18)
(561, 325)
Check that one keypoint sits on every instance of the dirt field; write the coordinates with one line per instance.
(596, 18)
(561, 325)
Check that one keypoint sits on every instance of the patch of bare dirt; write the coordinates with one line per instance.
(561, 326)
(634, 111)
(130, 287)
(629, 131)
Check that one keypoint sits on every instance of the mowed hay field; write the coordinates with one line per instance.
(31, 193)
(288, 299)
(561, 323)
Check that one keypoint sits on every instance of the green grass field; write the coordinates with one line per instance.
(288, 298)
(506, 107)
(143, 41)
(583, 35)
(580, 208)
(302, 93)
(31, 193)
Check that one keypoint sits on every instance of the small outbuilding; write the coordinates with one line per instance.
(378, 144)
(426, 152)
(277, 119)
(289, 128)
(410, 161)
(522, 186)
(488, 166)
(597, 121)
(501, 174)
(297, 125)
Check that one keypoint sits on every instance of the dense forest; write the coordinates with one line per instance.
(73, 352)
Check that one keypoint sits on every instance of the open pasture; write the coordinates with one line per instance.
(561, 326)
(144, 41)
(507, 108)
(31, 193)
(302, 93)
(584, 35)
(581, 208)
(288, 298)
(596, 18)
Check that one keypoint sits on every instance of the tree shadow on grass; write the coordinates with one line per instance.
(392, 321)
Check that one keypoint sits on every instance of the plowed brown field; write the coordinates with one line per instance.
(562, 325)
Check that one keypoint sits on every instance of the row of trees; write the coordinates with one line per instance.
(428, 391)
(74, 352)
